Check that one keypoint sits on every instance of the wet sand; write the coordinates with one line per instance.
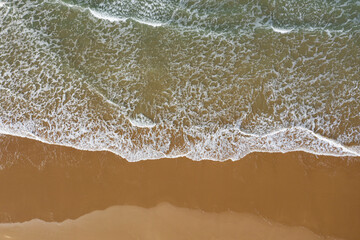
(161, 222)
(55, 183)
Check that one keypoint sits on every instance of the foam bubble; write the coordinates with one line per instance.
(2, 4)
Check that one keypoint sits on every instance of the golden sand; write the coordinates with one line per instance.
(297, 189)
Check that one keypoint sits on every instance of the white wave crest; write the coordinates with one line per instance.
(142, 121)
(225, 144)
(104, 16)
(281, 30)
(150, 23)
(111, 18)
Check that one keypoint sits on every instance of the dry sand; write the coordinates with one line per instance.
(291, 190)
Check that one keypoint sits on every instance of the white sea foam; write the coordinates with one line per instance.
(150, 23)
(106, 16)
(206, 87)
(142, 121)
(2, 4)
(281, 30)
(96, 14)
(69, 4)
(218, 148)
(111, 18)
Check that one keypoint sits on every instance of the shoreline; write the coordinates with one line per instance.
(55, 183)
(349, 150)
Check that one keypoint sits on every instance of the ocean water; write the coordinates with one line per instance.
(205, 79)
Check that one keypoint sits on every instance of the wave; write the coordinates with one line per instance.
(142, 121)
(283, 140)
(200, 20)
(112, 18)
(208, 97)
(150, 23)
(107, 17)
(281, 30)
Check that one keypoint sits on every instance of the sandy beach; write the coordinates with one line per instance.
(161, 222)
(263, 193)
(179, 119)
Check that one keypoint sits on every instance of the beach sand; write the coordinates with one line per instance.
(293, 195)
(161, 222)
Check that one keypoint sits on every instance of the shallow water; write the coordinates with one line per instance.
(202, 79)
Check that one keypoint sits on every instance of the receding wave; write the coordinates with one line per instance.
(217, 80)
(224, 145)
